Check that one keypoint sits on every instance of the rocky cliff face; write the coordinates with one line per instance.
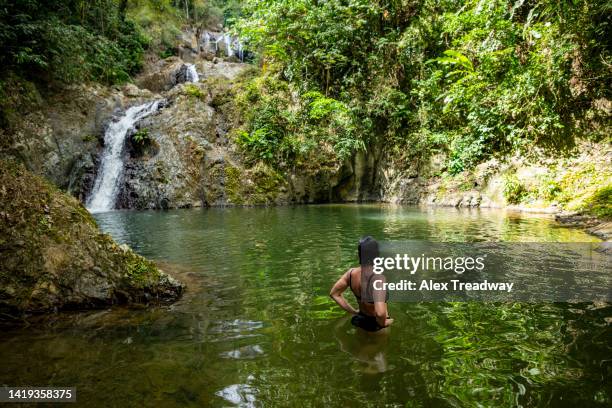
(577, 188)
(190, 159)
(54, 257)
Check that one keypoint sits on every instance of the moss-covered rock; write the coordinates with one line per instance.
(577, 184)
(54, 256)
(259, 185)
(600, 203)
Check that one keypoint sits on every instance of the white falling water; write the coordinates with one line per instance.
(228, 44)
(240, 52)
(217, 43)
(192, 73)
(105, 188)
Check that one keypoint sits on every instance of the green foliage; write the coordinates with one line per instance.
(578, 186)
(549, 188)
(140, 272)
(167, 52)
(75, 41)
(164, 20)
(457, 59)
(285, 129)
(233, 178)
(600, 203)
(514, 190)
(194, 91)
(160, 20)
(321, 107)
(264, 188)
(470, 78)
(70, 41)
(16, 96)
(142, 137)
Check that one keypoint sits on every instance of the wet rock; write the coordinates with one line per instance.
(188, 54)
(162, 75)
(82, 176)
(219, 68)
(577, 219)
(181, 75)
(603, 230)
(593, 225)
(132, 91)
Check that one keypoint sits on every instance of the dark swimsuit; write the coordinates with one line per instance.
(366, 322)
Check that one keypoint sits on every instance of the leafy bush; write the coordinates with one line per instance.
(600, 203)
(549, 188)
(194, 91)
(514, 191)
(285, 129)
(167, 52)
(141, 137)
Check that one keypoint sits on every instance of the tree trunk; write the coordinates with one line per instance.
(122, 9)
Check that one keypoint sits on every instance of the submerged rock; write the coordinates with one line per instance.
(54, 257)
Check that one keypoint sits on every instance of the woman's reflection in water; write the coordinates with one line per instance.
(369, 349)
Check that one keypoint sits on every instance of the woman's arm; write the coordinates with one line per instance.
(382, 318)
(336, 294)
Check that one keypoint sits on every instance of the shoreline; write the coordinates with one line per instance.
(595, 226)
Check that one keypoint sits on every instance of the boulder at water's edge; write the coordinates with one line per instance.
(54, 257)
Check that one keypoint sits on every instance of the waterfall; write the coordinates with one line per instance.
(217, 43)
(223, 44)
(240, 52)
(192, 73)
(105, 188)
(228, 43)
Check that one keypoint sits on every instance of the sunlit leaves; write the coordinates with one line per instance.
(457, 59)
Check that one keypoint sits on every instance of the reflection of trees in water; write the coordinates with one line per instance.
(511, 354)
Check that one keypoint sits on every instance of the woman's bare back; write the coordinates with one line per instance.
(355, 286)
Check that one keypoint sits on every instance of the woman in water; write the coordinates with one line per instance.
(372, 314)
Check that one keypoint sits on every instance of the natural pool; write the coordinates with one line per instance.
(256, 327)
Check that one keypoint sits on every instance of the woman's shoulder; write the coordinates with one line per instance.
(354, 270)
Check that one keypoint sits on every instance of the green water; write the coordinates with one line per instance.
(256, 327)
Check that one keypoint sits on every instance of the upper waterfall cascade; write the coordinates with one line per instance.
(192, 73)
(222, 44)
